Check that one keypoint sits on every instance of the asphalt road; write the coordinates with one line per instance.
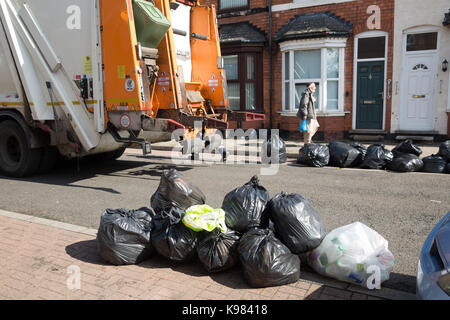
(402, 207)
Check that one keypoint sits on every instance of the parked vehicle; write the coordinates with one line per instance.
(83, 77)
(433, 275)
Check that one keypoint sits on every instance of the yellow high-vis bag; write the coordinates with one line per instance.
(203, 217)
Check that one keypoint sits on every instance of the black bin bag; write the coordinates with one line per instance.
(273, 143)
(296, 223)
(405, 162)
(343, 155)
(175, 190)
(218, 250)
(244, 206)
(377, 157)
(124, 236)
(408, 147)
(444, 150)
(434, 164)
(171, 238)
(447, 168)
(314, 155)
(363, 151)
(266, 261)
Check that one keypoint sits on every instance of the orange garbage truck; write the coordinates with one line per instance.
(84, 77)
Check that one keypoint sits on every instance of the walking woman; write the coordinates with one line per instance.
(307, 111)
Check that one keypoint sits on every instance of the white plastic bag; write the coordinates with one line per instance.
(354, 253)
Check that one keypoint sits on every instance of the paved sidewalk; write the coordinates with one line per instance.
(39, 259)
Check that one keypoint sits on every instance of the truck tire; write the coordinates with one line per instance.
(16, 157)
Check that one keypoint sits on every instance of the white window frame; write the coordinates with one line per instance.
(317, 44)
(369, 34)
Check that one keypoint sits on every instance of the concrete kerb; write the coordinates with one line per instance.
(294, 146)
(48, 222)
(383, 293)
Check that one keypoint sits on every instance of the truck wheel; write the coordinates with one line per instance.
(16, 158)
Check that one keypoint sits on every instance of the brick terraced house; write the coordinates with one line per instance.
(272, 48)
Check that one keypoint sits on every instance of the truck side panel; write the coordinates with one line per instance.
(10, 87)
(205, 54)
(71, 29)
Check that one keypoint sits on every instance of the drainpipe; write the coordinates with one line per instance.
(270, 65)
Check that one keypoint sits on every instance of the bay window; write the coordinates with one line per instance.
(321, 62)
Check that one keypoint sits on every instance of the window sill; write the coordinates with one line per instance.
(318, 114)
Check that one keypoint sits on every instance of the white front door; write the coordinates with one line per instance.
(418, 99)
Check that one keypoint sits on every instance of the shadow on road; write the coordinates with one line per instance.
(69, 172)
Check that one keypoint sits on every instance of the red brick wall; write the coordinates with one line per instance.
(355, 13)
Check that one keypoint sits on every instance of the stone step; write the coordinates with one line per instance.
(415, 138)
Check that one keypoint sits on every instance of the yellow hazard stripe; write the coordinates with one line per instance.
(4, 103)
(60, 103)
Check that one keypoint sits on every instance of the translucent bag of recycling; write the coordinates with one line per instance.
(203, 217)
(354, 253)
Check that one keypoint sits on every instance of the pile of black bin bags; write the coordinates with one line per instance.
(267, 237)
(405, 157)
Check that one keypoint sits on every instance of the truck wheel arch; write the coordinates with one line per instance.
(35, 139)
